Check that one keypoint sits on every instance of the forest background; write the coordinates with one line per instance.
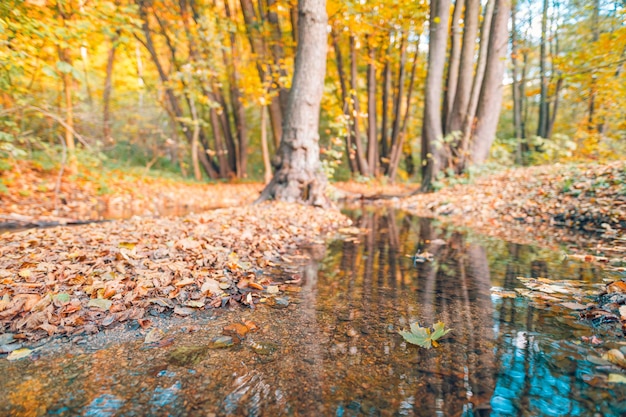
(197, 88)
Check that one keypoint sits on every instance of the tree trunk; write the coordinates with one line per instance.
(69, 112)
(453, 62)
(253, 26)
(194, 140)
(431, 126)
(542, 126)
(384, 139)
(395, 154)
(356, 111)
(267, 175)
(299, 177)
(372, 143)
(462, 153)
(239, 112)
(462, 97)
(169, 93)
(490, 102)
(397, 104)
(516, 88)
(106, 94)
(344, 103)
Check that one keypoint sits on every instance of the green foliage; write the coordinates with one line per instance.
(425, 336)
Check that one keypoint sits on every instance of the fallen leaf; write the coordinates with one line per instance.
(100, 303)
(19, 354)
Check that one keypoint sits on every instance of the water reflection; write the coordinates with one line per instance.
(335, 350)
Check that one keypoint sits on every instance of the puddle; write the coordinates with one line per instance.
(335, 351)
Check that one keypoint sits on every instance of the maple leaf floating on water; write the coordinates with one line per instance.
(423, 336)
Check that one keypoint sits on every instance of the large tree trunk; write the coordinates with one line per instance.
(299, 177)
(490, 101)
(431, 126)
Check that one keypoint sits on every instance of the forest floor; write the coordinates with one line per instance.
(71, 280)
(32, 196)
(580, 206)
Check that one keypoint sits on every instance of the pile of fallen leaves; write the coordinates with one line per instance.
(34, 196)
(70, 280)
(538, 204)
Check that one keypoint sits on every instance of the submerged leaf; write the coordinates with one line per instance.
(423, 336)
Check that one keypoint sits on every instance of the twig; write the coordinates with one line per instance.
(57, 119)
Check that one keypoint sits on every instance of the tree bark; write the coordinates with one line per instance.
(515, 85)
(395, 154)
(267, 174)
(431, 126)
(462, 153)
(462, 97)
(542, 126)
(372, 142)
(453, 61)
(344, 102)
(299, 177)
(397, 104)
(356, 110)
(384, 139)
(194, 140)
(490, 102)
(106, 93)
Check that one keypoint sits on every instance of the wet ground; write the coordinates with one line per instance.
(335, 350)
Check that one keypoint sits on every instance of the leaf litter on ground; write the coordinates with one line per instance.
(84, 278)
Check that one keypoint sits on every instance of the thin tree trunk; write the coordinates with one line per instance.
(397, 104)
(259, 48)
(277, 52)
(462, 154)
(453, 62)
(517, 99)
(542, 127)
(352, 163)
(299, 177)
(384, 140)
(555, 107)
(106, 94)
(266, 154)
(235, 98)
(69, 113)
(462, 97)
(194, 140)
(169, 93)
(395, 155)
(372, 143)
(356, 111)
(490, 102)
(431, 127)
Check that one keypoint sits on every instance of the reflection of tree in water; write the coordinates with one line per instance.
(376, 291)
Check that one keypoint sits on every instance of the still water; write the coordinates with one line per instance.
(335, 350)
